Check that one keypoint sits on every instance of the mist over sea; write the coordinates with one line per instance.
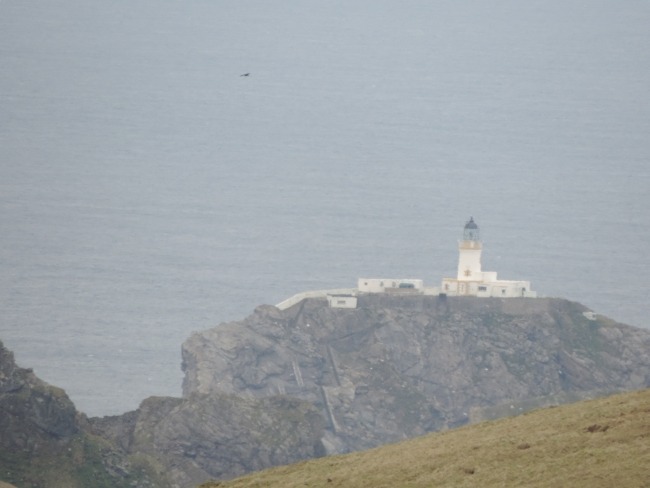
(148, 190)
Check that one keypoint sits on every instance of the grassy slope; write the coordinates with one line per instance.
(76, 462)
(597, 443)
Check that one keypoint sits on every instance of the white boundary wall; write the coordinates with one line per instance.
(291, 301)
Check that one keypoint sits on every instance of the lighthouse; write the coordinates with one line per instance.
(471, 280)
(469, 253)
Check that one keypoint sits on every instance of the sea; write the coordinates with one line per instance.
(167, 166)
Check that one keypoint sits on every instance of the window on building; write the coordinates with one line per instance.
(482, 288)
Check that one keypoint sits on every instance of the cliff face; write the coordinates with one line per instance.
(26, 401)
(216, 435)
(44, 441)
(399, 366)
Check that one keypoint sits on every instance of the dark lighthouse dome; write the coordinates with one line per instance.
(471, 231)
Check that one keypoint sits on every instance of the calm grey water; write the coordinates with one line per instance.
(147, 190)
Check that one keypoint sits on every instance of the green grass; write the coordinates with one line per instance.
(590, 444)
(73, 463)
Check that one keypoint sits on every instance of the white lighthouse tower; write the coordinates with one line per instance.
(471, 280)
(469, 250)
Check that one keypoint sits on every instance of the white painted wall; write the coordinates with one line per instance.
(469, 261)
(341, 301)
(380, 285)
(497, 288)
(489, 276)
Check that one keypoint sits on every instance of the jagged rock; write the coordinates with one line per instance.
(44, 441)
(29, 404)
(217, 435)
(399, 366)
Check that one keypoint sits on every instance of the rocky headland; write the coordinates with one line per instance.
(285, 385)
(400, 366)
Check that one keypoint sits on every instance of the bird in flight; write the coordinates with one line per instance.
(245, 74)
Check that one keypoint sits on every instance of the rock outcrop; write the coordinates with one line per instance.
(400, 366)
(44, 441)
(217, 435)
